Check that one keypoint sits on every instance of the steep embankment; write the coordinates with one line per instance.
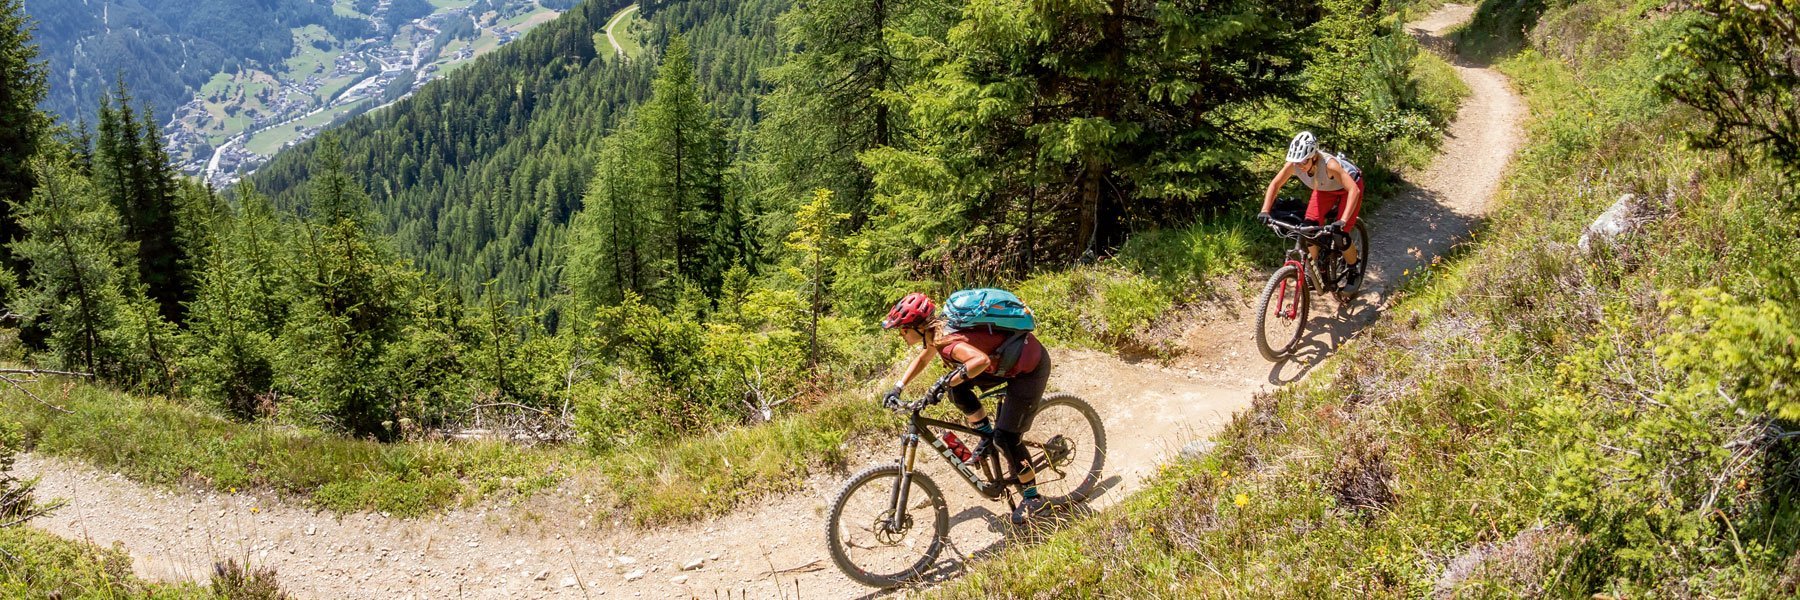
(777, 546)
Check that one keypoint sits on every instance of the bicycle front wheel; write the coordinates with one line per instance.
(862, 536)
(1068, 448)
(1281, 314)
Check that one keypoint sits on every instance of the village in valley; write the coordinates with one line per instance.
(239, 119)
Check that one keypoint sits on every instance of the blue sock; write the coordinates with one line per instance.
(1030, 492)
(985, 426)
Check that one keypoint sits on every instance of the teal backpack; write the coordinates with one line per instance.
(995, 310)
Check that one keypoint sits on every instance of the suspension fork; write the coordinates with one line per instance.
(909, 452)
(1299, 287)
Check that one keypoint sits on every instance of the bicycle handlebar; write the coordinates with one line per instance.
(1307, 231)
(933, 395)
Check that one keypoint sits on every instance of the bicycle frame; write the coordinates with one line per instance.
(992, 486)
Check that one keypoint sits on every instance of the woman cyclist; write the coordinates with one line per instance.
(1337, 192)
(975, 351)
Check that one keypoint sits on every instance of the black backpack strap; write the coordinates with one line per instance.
(1009, 352)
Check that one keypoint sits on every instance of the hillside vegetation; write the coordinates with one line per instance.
(1533, 419)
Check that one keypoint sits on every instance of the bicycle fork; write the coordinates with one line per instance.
(909, 452)
(1299, 288)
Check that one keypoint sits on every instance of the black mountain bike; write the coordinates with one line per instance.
(889, 523)
(1281, 313)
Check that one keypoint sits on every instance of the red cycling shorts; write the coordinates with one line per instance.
(1331, 203)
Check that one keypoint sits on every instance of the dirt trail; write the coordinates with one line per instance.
(614, 22)
(776, 548)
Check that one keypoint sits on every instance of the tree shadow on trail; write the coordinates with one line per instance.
(1412, 232)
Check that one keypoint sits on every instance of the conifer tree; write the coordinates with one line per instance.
(133, 170)
(682, 156)
(815, 241)
(84, 290)
(22, 87)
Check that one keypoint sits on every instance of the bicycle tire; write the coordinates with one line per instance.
(940, 528)
(1262, 313)
(1344, 297)
(1091, 479)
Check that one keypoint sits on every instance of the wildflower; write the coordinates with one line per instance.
(1223, 473)
(254, 510)
(1242, 499)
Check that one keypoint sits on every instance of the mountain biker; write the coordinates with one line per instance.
(1325, 173)
(974, 351)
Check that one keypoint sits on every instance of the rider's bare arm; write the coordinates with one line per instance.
(1353, 203)
(1281, 179)
(974, 362)
(917, 366)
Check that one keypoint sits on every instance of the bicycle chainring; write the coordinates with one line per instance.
(1059, 451)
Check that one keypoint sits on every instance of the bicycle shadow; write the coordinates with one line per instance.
(1046, 524)
(1406, 236)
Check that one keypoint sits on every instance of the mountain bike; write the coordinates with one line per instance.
(890, 522)
(1281, 311)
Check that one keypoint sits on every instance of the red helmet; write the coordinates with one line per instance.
(914, 309)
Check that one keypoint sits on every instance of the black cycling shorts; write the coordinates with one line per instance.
(1022, 394)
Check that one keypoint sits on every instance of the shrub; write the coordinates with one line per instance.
(234, 581)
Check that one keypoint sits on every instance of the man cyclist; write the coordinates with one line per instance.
(1332, 197)
(975, 351)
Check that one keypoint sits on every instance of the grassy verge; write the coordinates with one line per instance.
(1533, 419)
(163, 442)
(46, 566)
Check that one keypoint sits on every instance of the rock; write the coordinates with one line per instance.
(625, 560)
(518, 562)
(1197, 449)
(1615, 222)
(310, 530)
(474, 544)
(693, 564)
(542, 575)
(678, 579)
(569, 582)
(634, 575)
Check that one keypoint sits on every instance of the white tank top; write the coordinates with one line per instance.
(1328, 181)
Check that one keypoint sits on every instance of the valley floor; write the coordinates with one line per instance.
(776, 547)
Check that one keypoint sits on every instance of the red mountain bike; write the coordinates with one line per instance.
(1281, 313)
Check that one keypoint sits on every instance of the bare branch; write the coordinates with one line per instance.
(21, 387)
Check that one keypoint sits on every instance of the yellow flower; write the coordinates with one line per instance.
(254, 510)
(1223, 473)
(1242, 499)
(233, 490)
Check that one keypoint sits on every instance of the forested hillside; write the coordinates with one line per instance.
(163, 49)
(477, 177)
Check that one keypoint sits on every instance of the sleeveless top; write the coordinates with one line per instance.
(1328, 181)
(988, 342)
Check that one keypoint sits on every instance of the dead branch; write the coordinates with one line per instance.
(33, 514)
(20, 385)
(44, 372)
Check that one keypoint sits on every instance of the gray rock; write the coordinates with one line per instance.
(1197, 449)
(568, 582)
(1615, 222)
(678, 579)
(693, 564)
(634, 575)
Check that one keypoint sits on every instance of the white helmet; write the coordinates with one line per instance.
(1303, 147)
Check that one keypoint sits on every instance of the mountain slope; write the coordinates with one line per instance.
(477, 176)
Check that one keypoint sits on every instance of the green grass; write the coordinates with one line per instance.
(51, 567)
(168, 443)
(1524, 407)
(163, 442)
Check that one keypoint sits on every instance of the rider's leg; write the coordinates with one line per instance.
(1351, 252)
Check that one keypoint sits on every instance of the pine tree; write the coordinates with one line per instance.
(833, 95)
(132, 168)
(84, 289)
(22, 87)
(350, 306)
(815, 241)
(1050, 130)
(682, 146)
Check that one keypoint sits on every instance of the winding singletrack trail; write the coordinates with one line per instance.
(774, 549)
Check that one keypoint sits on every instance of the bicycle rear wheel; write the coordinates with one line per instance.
(1360, 240)
(867, 548)
(1067, 443)
(1281, 314)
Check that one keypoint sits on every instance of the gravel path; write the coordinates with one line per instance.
(774, 549)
